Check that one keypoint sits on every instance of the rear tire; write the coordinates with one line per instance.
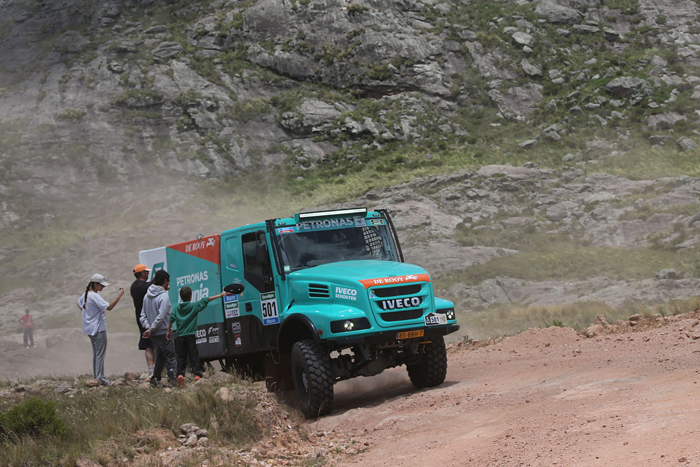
(430, 369)
(313, 379)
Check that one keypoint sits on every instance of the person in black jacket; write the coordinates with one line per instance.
(138, 291)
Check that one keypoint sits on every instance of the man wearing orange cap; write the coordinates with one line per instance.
(138, 291)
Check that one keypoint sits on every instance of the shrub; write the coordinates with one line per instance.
(354, 9)
(74, 115)
(33, 418)
(248, 110)
(136, 98)
(379, 72)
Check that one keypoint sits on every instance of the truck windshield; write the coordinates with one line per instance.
(304, 247)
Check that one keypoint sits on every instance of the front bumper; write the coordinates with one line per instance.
(390, 337)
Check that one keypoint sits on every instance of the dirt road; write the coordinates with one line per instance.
(626, 397)
(544, 397)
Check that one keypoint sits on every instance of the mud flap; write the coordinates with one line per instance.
(278, 371)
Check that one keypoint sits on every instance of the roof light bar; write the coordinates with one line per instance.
(340, 212)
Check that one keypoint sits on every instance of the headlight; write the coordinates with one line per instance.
(348, 325)
(450, 312)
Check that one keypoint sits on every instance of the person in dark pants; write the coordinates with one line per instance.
(28, 324)
(154, 316)
(138, 290)
(184, 315)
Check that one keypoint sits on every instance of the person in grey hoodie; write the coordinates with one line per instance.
(155, 316)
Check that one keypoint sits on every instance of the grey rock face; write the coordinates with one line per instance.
(156, 29)
(71, 42)
(311, 116)
(167, 50)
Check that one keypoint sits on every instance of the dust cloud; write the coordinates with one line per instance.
(365, 391)
(69, 358)
(99, 229)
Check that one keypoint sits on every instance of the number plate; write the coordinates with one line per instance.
(435, 318)
(410, 334)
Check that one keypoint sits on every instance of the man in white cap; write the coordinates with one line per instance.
(93, 307)
(138, 290)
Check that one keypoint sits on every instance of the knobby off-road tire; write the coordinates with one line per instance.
(313, 379)
(431, 368)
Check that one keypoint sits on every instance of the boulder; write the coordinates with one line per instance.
(528, 144)
(686, 144)
(192, 440)
(158, 29)
(664, 120)
(586, 29)
(627, 86)
(189, 429)
(611, 35)
(555, 13)
(531, 69)
(523, 39)
(671, 274)
(661, 140)
(224, 395)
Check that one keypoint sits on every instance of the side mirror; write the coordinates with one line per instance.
(235, 289)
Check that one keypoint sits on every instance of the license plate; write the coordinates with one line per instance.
(409, 334)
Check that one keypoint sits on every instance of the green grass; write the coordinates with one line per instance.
(102, 425)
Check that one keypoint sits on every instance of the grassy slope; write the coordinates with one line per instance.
(490, 140)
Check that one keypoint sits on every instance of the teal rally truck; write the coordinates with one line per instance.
(327, 297)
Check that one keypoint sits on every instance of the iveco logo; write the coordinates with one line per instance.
(400, 303)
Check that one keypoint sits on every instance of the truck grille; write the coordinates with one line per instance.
(400, 305)
(402, 315)
(411, 289)
(319, 291)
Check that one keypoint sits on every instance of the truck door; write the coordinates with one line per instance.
(254, 319)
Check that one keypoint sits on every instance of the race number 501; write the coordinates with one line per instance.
(268, 304)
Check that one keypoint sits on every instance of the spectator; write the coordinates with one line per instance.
(138, 290)
(28, 323)
(154, 316)
(93, 308)
(184, 316)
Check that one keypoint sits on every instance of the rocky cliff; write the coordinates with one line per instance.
(96, 97)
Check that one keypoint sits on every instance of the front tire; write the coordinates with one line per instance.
(313, 379)
(429, 368)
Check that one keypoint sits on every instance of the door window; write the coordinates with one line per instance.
(232, 253)
(256, 260)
